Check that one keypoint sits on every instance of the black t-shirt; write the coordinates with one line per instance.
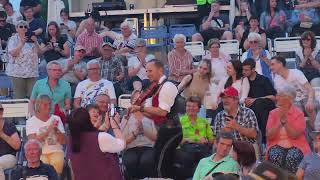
(35, 24)
(261, 87)
(6, 31)
(52, 54)
(44, 171)
(9, 129)
(238, 19)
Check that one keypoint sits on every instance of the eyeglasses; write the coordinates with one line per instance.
(2, 20)
(253, 42)
(221, 173)
(55, 69)
(21, 27)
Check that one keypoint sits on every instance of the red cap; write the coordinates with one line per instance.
(230, 92)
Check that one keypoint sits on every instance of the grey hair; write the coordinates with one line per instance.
(179, 36)
(33, 141)
(288, 90)
(55, 62)
(22, 22)
(39, 100)
(140, 41)
(91, 62)
(254, 36)
(126, 23)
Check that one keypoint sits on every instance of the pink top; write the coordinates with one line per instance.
(179, 66)
(89, 41)
(295, 119)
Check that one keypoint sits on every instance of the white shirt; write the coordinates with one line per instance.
(37, 126)
(87, 90)
(110, 144)
(242, 85)
(296, 79)
(134, 62)
(258, 63)
(167, 94)
(219, 69)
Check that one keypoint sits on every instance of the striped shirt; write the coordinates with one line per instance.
(89, 41)
(179, 66)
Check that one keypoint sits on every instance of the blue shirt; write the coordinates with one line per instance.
(311, 166)
(58, 95)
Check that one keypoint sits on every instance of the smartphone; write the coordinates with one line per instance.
(228, 117)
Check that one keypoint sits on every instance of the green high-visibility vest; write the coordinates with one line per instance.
(202, 2)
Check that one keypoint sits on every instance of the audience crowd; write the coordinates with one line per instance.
(242, 116)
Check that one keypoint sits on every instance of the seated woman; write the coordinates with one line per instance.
(196, 142)
(67, 26)
(55, 46)
(259, 54)
(198, 83)
(305, 19)
(219, 60)
(244, 154)
(309, 167)
(308, 58)
(92, 152)
(254, 27)
(236, 80)
(9, 144)
(140, 134)
(180, 60)
(49, 130)
(273, 20)
(241, 20)
(286, 136)
(137, 66)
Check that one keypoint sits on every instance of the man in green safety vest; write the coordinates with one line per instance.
(204, 7)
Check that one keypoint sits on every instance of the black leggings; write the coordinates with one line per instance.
(139, 162)
(287, 158)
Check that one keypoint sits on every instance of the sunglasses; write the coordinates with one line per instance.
(306, 39)
(21, 27)
(2, 20)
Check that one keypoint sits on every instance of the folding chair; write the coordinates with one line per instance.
(15, 108)
(156, 36)
(196, 49)
(291, 63)
(231, 47)
(116, 30)
(286, 47)
(5, 84)
(186, 29)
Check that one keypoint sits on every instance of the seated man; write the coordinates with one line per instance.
(9, 144)
(294, 77)
(6, 29)
(261, 96)
(35, 169)
(218, 162)
(49, 130)
(35, 4)
(215, 26)
(57, 89)
(88, 89)
(241, 121)
(111, 67)
(90, 40)
(74, 69)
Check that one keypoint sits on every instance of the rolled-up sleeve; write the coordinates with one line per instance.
(110, 144)
(167, 96)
